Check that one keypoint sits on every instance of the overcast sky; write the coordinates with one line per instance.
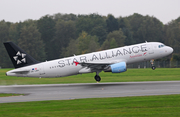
(20, 10)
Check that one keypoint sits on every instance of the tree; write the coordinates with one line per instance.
(150, 30)
(113, 43)
(135, 21)
(65, 17)
(71, 49)
(65, 31)
(30, 41)
(172, 35)
(46, 26)
(13, 32)
(83, 44)
(87, 43)
(126, 28)
(146, 28)
(112, 23)
(4, 36)
(105, 45)
(112, 38)
(118, 36)
(93, 24)
(100, 32)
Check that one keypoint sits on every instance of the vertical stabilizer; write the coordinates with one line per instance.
(19, 57)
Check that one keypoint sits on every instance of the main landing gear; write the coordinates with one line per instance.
(152, 63)
(97, 77)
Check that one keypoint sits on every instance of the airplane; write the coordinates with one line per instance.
(112, 60)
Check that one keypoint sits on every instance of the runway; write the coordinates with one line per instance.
(88, 90)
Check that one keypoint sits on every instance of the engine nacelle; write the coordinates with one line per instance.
(117, 68)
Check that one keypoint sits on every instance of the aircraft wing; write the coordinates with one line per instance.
(94, 66)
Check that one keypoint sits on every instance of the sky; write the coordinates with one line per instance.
(21, 10)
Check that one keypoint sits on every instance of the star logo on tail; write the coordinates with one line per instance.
(20, 58)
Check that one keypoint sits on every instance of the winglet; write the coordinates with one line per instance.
(76, 63)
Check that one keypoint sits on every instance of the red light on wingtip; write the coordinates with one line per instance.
(76, 63)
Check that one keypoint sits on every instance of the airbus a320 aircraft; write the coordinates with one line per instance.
(113, 60)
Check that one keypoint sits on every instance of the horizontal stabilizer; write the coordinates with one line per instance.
(20, 71)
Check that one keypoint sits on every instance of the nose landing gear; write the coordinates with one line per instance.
(152, 63)
(153, 67)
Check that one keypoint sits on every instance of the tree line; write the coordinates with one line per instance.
(63, 35)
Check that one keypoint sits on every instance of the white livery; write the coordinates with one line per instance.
(112, 60)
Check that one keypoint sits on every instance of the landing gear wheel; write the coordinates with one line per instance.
(97, 78)
(153, 67)
(152, 63)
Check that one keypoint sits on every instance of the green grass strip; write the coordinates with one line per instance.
(131, 75)
(141, 106)
(9, 94)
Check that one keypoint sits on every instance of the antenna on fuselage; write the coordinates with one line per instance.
(146, 41)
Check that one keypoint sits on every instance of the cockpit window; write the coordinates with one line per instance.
(160, 46)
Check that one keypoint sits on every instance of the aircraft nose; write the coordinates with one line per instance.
(170, 50)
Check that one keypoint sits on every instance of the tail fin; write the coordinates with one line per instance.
(18, 57)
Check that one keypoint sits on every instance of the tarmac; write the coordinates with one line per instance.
(88, 90)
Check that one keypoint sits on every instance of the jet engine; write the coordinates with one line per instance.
(117, 68)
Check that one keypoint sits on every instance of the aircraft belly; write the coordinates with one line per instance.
(61, 72)
(69, 70)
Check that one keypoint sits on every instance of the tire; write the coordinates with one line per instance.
(153, 67)
(97, 78)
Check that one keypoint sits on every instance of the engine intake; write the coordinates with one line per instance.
(117, 68)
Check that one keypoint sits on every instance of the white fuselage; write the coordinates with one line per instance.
(66, 66)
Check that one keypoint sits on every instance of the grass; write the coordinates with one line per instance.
(9, 94)
(167, 105)
(134, 75)
(155, 106)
